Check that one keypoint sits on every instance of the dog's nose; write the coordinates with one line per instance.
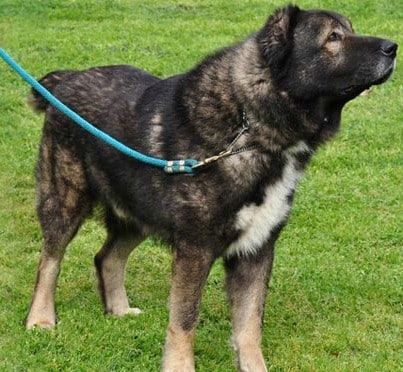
(389, 48)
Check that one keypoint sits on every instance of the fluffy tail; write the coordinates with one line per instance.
(49, 81)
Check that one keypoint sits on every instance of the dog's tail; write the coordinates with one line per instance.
(49, 81)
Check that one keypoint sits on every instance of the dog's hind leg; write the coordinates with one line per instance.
(190, 270)
(63, 203)
(246, 283)
(110, 263)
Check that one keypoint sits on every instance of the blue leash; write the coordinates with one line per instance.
(169, 166)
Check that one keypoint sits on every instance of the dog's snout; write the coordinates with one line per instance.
(389, 48)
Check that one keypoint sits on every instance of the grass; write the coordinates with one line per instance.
(335, 300)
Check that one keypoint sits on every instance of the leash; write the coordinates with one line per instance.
(169, 166)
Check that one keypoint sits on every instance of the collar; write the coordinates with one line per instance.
(231, 149)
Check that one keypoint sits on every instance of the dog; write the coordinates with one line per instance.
(257, 111)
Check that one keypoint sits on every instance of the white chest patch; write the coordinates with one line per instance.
(257, 222)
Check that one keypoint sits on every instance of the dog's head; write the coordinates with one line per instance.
(316, 53)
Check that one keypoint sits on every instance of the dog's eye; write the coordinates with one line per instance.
(334, 36)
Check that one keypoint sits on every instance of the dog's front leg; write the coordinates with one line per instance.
(246, 282)
(190, 271)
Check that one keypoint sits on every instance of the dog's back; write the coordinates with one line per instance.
(94, 90)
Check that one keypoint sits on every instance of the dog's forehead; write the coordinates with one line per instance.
(320, 14)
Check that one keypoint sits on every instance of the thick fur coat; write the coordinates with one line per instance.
(289, 81)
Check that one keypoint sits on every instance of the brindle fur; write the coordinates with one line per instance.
(292, 79)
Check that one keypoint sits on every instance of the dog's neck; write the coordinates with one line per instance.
(314, 122)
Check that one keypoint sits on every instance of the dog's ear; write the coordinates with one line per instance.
(275, 38)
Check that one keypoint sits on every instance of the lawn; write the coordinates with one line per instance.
(335, 301)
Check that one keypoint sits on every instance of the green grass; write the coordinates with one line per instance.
(335, 301)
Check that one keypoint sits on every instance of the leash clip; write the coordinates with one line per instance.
(230, 148)
(212, 159)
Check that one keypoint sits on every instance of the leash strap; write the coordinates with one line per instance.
(169, 166)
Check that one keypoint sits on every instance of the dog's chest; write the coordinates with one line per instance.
(256, 223)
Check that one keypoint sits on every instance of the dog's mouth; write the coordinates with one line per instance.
(388, 73)
(358, 89)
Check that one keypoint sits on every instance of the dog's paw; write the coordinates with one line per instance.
(39, 324)
(133, 311)
(40, 318)
(120, 312)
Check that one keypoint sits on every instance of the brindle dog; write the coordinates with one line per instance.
(288, 83)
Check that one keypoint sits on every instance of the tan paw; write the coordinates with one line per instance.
(133, 311)
(125, 311)
(41, 324)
